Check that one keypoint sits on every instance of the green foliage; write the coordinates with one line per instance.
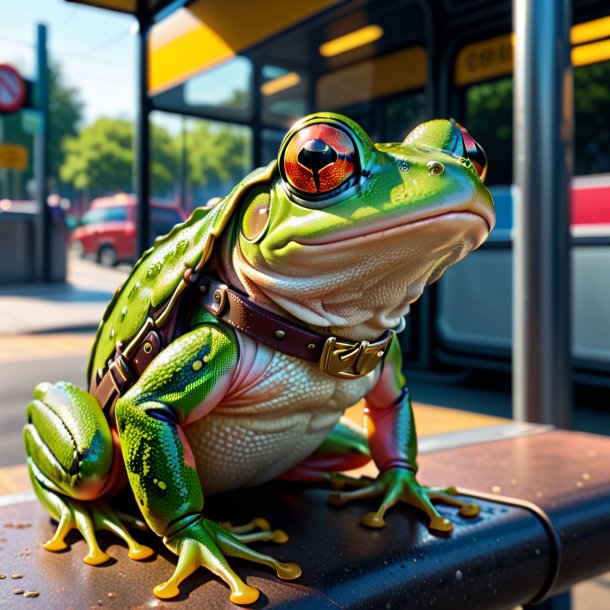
(65, 115)
(216, 154)
(592, 119)
(101, 159)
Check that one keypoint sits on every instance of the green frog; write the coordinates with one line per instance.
(232, 350)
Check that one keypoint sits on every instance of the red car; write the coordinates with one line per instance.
(108, 229)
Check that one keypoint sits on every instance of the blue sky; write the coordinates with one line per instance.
(95, 48)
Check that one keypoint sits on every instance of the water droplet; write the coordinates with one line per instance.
(496, 489)
(458, 575)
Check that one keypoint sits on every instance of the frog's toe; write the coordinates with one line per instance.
(447, 496)
(288, 571)
(96, 557)
(245, 595)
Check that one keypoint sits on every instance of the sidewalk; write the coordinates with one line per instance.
(77, 305)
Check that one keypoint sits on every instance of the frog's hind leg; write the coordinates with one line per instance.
(345, 448)
(70, 461)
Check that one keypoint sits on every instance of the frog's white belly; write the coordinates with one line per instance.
(278, 411)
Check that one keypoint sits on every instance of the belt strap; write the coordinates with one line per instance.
(338, 357)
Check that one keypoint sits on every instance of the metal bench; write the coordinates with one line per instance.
(544, 526)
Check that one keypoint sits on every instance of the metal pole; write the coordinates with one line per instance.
(142, 136)
(543, 128)
(44, 220)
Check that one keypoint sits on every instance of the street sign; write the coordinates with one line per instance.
(31, 121)
(12, 89)
(13, 156)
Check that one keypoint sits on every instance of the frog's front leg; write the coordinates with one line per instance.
(192, 373)
(72, 464)
(393, 446)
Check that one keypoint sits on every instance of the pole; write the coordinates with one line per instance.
(543, 128)
(44, 220)
(142, 135)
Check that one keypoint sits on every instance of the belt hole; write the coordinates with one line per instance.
(148, 347)
(279, 334)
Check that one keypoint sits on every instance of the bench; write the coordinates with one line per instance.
(544, 526)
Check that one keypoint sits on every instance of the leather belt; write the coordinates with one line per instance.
(335, 356)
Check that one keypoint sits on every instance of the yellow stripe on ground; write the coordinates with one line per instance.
(13, 480)
(431, 420)
(19, 348)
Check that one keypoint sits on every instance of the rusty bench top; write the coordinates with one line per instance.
(503, 558)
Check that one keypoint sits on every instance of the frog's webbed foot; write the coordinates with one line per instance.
(205, 543)
(399, 484)
(87, 518)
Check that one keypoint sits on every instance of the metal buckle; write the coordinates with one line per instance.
(349, 360)
(220, 300)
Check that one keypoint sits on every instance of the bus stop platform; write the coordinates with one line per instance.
(544, 526)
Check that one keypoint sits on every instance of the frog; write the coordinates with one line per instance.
(231, 352)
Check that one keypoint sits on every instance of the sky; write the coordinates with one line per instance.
(95, 48)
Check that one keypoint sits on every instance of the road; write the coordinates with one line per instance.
(27, 358)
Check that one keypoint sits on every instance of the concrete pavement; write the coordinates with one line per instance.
(77, 305)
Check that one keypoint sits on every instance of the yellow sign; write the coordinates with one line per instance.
(484, 60)
(395, 73)
(209, 32)
(13, 156)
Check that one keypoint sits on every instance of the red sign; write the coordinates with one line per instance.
(12, 89)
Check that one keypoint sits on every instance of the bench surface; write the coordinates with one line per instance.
(504, 557)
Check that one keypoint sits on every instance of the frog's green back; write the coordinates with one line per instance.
(159, 271)
(151, 282)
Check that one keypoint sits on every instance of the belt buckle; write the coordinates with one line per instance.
(350, 360)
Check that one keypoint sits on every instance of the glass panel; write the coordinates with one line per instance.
(270, 144)
(218, 156)
(402, 114)
(592, 119)
(223, 92)
(162, 221)
(193, 160)
(489, 119)
(283, 95)
(227, 85)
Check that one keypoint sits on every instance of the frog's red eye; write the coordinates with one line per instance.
(318, 159)
(475, 152)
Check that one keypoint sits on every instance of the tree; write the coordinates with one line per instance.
(65, 115)
(218, 157)
(100, 159)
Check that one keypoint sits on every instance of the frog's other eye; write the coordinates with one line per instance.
(319, 159)
(475, 152)
(435, 168)
(255, 217)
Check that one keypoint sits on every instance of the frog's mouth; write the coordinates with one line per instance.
(480, 226)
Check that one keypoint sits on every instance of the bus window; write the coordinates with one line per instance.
(283, 95)
(402, 114)
(592, 119)
(270, 144)
(223, 92)
(193, 160)
(489, 119)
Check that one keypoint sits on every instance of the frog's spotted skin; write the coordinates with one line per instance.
(339, 235)
(277, 414)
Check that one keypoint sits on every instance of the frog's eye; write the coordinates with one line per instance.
(436, 168)
(475, 152)
(319, 159)
(255, 217)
